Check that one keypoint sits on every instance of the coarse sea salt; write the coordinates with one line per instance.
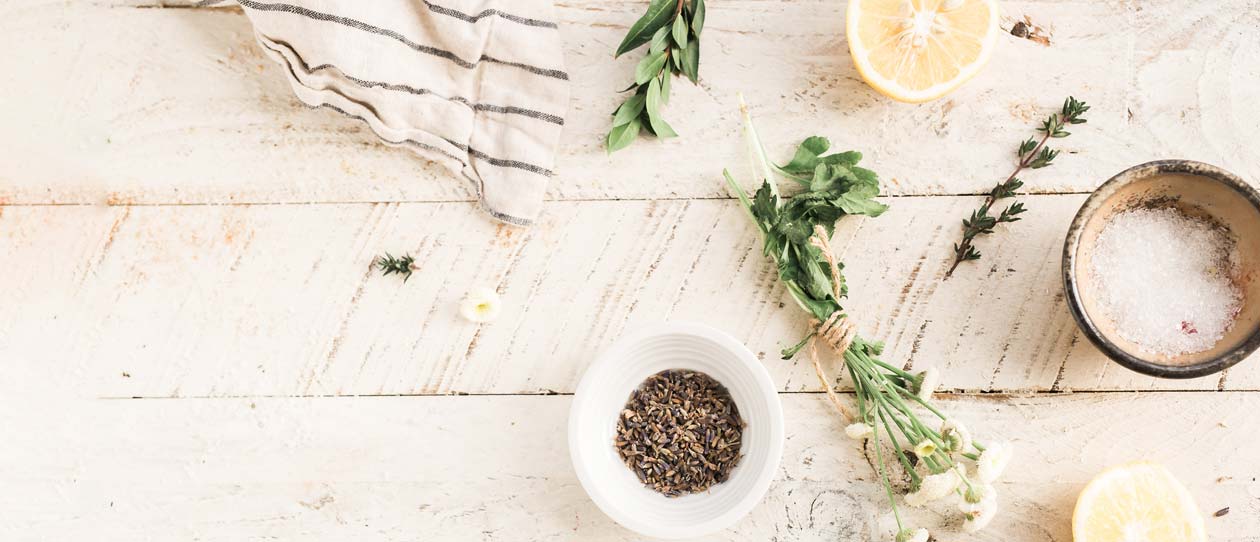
(1164, 279)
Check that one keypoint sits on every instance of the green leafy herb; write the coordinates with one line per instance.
(671, 30)
(796, 235)
(1032, 154)
(389, 265)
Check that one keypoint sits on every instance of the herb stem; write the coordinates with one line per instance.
(884, 474)
(965, 246)
(1032, 154)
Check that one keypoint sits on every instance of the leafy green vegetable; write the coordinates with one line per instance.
(671, 29)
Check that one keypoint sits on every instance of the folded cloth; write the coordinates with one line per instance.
(477, 85)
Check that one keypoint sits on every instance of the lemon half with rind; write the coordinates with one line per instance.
(919, 50)
(1139, 501)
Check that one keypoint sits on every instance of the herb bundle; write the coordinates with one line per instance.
(671, 29)
(928, 456)
(1033, 154)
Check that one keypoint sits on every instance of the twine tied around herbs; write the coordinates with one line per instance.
(837, 331)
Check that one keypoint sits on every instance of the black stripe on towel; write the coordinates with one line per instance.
(360, 25)
(476, 184)
(506, 109)
(500, 162)
(487, 13)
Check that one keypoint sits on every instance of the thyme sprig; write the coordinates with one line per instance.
(389, 265)
(671, 30)
(891, 402)
(1032, 154)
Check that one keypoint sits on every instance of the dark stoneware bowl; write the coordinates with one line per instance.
(1196, 189)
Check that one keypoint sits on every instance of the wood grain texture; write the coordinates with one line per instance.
(158, 280)
(179, 105)
(188, 301)
(497, 468)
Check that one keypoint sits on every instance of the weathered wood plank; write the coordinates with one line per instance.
(278, 299)
(179, 105)
(496, 468)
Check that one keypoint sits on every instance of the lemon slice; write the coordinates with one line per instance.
(920, 50)
(1138, 501)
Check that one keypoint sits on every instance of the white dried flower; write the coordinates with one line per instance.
(977, 516)
(859, 431)
(993, 461)
(928, 381)
(976, 493)
(956, 436)
(917, 535)
(481, 305)
(933, 487)
(925, 448)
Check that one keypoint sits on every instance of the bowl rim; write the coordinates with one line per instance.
(1071, 287)
(747, 362)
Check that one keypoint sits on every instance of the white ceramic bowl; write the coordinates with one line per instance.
(604, 391)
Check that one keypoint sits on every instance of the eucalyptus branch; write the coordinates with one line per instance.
(1033, 154)
(671, 30)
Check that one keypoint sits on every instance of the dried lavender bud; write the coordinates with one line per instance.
(680, 433)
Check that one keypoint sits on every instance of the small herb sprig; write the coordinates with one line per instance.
(1033, 154)
(389, 265)
(671, 29)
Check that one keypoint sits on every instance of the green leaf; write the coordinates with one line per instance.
(819, 282)
(660, 41)
(622, 136)
(675, 56)
(861, 204)
(657, 16)
(807, 153)
(765, 205)
(697, 17)
(658, 125)
(649, 67)
(846, 158)
(665, 78)
(680, 31)
(654, 98)
(824, 178)
(629, 110)
(691, 60)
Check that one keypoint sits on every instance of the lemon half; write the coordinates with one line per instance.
(920, 50)
(1138, 501)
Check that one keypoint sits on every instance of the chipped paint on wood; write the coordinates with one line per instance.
(296, 311)
(494, 468)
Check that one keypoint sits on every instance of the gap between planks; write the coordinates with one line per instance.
(944, 394)
(665, 198)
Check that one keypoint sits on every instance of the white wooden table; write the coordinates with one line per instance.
(193, 347)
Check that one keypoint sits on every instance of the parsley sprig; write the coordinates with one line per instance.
(1033, 154)
(671, 30)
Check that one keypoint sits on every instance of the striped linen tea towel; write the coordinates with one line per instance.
(476, 85)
